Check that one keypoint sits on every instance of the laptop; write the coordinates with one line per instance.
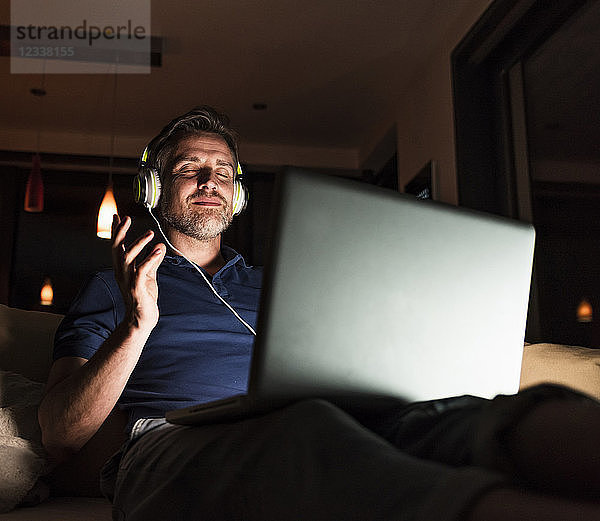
(370, 294)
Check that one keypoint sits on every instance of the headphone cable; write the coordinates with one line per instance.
(248, 326)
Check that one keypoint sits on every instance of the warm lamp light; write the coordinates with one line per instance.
(34, 193)
(108, 208)
(47, 293)
(584, 311)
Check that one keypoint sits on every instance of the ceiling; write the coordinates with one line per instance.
(329, 72)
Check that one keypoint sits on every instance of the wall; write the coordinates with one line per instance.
(568, 171)
(425, 117)
(270, 155)
(567, 222)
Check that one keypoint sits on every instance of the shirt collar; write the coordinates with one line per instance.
(231, 257)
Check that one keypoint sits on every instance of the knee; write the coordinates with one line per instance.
(312, 418)
(315, 409)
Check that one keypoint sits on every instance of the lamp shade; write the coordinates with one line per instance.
(108, 208)
(34, 192)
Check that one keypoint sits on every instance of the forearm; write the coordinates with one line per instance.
(75, 407)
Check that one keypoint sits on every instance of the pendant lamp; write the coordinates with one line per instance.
(108, 207)
(105, 215)
(47, 293)
(34, 192)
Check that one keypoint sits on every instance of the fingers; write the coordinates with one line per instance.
(119, 230)
(123, 257)
(137, 246)
(151, 263)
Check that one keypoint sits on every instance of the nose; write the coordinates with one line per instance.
(206, 180)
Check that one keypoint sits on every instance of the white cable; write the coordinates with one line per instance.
(248, 326)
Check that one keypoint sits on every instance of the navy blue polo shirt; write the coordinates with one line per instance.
(199, 351)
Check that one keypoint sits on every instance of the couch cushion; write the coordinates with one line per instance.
(575, 367)
(26, 341)
(21, 453)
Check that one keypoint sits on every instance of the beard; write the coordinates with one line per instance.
(202, 223)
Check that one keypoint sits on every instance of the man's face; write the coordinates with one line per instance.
(197, 195)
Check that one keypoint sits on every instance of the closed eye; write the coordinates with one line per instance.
(186, 174)
(188, 170)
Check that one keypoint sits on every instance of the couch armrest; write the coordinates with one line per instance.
(575, 367)
(26, 341)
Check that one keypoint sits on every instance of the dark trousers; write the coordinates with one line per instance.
(314, 461)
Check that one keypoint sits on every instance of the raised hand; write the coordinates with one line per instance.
(137, 280)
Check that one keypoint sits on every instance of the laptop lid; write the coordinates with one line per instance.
(372, 292)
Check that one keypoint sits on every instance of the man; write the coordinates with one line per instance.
(152, 336)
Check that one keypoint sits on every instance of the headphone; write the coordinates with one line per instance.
(147, 187)
(146, 191)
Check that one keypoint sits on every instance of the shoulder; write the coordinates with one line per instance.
(101, 288)
(103, 280)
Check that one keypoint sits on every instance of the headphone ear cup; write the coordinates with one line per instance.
(240, 198)
(147, 188)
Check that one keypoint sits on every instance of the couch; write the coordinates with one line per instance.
(66, 492)
(70, 491)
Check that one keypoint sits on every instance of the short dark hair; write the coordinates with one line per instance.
(200, 119)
